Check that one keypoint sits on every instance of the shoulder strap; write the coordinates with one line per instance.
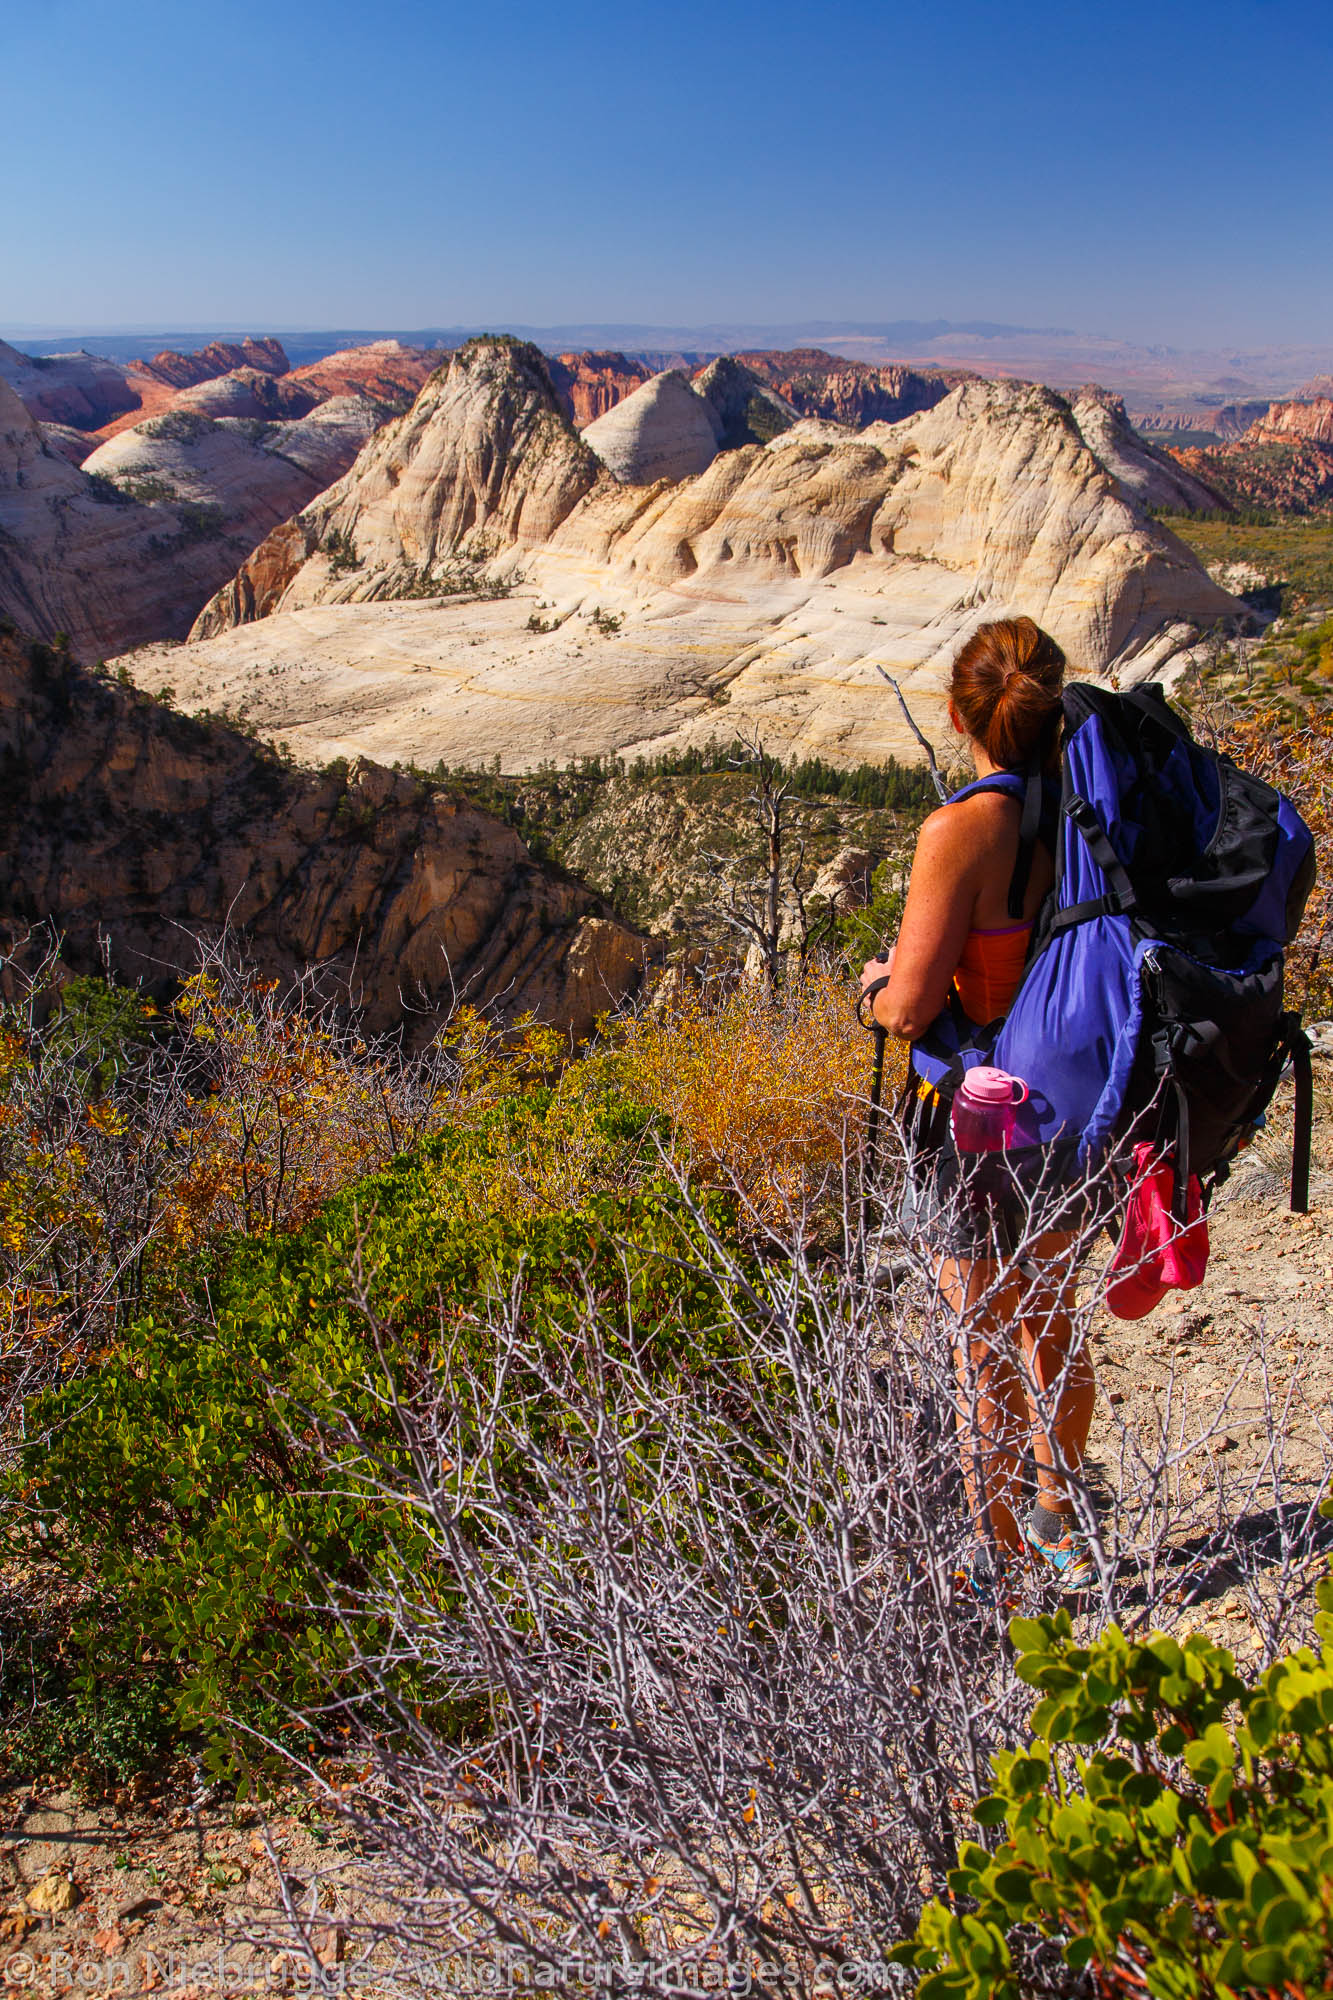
(1028, 829)
(1009, 782)
(1027, 787)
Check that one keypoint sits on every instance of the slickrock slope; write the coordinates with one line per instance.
(662, 431)
(73, 446)
(591, 383)
(126, 548)
(242, 392)
(250, 474)
(123, 819)
(763, 594)
(79, 389)
(804, 380)
(79, 557)
(213, 383)
(483, 457)
(1153, 477)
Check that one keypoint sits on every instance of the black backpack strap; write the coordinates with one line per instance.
(1303, 1080)
(1028, 828)
(1119, 899)
(1149, 701)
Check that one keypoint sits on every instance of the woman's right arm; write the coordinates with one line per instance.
(937, 916)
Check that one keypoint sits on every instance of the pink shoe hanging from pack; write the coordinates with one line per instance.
(1156, 1254)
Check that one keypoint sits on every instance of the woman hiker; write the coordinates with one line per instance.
(1021, 1383)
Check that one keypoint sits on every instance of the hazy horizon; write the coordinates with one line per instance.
(1153, 176)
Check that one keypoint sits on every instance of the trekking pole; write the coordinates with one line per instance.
(872, 1130)
(881, 1034)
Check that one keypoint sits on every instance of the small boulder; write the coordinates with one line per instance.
(53, 1895)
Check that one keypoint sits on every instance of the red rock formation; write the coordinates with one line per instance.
(181, 371)
(258, 586)
(1284, 461)
(1312, 419)
(154, 387)
(593, 382)
(850, 392)
(384, 370)
(1289, 474)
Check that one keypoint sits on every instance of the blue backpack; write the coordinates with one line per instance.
(1151, 1002)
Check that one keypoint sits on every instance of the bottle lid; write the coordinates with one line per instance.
(984, 1085)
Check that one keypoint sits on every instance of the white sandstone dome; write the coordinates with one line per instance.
(661, 431)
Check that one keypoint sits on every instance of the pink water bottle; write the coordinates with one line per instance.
(983, 1109)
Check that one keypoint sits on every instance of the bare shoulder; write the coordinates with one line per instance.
(958, 828)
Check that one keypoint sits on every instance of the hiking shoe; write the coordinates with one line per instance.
(987, 1579)
(1068, 1552)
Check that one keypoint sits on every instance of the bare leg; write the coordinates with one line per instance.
(1003, 1405)
(1060, 1387)
(992, 1410)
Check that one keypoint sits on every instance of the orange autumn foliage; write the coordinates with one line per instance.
(770, 1097)
(297, 1108)
(1295, 753)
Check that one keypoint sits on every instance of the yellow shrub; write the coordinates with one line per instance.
(297, 1110)
(772, 1097)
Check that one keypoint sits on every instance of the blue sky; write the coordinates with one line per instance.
(1159, 172)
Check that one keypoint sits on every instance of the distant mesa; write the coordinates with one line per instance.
(663, 430)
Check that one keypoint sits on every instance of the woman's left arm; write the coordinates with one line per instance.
(937, 916)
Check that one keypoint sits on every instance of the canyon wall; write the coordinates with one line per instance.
(124, 820)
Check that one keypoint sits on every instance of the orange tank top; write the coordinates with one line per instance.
(990, 969)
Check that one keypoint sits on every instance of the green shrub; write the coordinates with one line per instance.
(1181, 1846)
(340, 549)
(184, 1496)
